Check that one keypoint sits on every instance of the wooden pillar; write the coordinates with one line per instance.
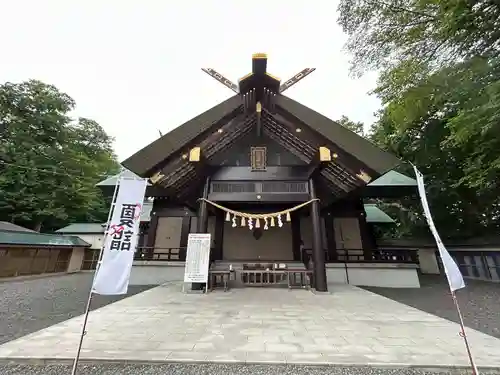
(317, 248)
(296, 237)
(185, 228)
(150, 243)
(330, 237)
(202, 223)
(219, 235)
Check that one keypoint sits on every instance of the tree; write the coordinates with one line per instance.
(49, 165)
(356, 127)
(390, 33)
(440, 87)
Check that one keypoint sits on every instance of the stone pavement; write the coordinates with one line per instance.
(348, 326)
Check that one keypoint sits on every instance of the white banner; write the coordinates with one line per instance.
(197, 258)
(113, 274)
(455, 278)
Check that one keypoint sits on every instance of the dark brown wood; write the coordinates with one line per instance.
(340, 180)
(219, 235)
(168, 209)
(330, 237)
(376, 160)
(178, 171)
(295, 173)
(147, 160)
(202, 224)
(317, 248)
(153, 226)
(299, 279)
(253, 197)
(296, 237)
(185, 229)
(219, 278)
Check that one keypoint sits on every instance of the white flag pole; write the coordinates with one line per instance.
(453, 274)
(89, 300)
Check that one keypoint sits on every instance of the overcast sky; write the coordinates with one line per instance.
(134, 66)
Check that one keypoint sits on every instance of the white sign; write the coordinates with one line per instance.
(197, 258)
(113, 274)
(453, 274)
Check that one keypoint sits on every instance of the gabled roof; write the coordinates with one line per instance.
(393, 178)
(376, 215)
(379, 160)
(112, 180)
(391, 185)
(39, 239)
(98, 228)
(6, 226)
(83, 228)
(152, 155)
(260, 107)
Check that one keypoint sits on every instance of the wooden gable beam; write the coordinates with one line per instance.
(348, 161)
(181, 171)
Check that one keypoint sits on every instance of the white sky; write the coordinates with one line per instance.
(134, 66)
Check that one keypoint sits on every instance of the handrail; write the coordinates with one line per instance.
(356, 255)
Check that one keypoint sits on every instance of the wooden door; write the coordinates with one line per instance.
(348, 238)
(168, 238)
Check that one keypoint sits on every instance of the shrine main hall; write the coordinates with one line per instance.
(277, 185)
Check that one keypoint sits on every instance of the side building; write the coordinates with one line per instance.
(24, 252)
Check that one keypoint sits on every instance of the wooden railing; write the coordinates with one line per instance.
(483, 265)
(167, 254)
(359, 256)
(394, 256)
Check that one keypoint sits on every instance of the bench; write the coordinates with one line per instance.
(299, 278)
(219, 278)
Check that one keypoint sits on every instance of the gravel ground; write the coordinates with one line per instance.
(206, 369)
(31, 305)
(479, 301)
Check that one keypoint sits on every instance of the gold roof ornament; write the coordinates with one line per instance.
(156, 177)
(195, 154)
(325, 154)
(362, 175)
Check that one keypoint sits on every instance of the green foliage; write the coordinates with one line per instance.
(385, 34)
(356, 127)
(440, 87)
(49, 165)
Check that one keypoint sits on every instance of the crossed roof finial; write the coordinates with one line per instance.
(259, 68)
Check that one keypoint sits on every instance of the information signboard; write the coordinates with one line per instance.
(197, 258)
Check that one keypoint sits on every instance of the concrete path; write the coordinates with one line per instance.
(348, 326)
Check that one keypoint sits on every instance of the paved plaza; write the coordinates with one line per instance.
(348, 326)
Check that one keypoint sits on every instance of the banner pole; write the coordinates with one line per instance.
(463, 334)
(89, 300)
(453, 274)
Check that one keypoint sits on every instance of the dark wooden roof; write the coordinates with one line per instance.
(145, 160)
(355, 145)
(293, 126)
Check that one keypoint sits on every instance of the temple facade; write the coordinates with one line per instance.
(274, 182)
